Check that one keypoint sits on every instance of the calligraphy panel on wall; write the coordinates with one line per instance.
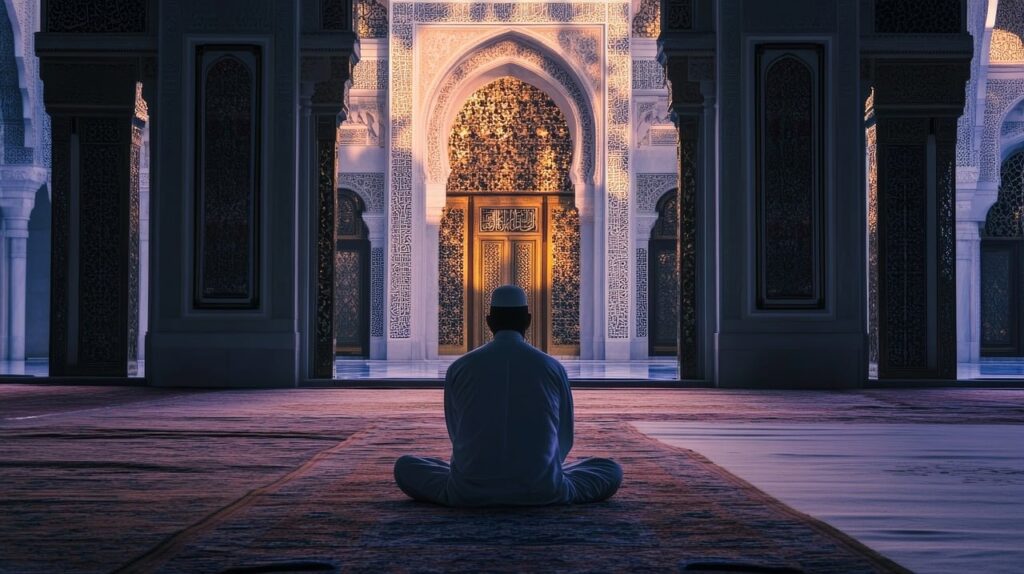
(227, 176)
(790, 177)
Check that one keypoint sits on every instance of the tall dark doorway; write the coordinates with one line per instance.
(351, 278)
(664, 278)
(1002, 266)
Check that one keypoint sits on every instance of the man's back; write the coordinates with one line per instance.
(509, 412)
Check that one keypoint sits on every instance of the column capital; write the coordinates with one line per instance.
(690, 78)
(17, 180)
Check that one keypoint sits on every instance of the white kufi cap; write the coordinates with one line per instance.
(508, 296)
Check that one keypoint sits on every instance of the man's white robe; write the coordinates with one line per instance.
(508, 407)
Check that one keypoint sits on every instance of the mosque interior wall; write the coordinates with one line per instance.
(602, 65)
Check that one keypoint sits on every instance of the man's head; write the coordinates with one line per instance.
(509, 310)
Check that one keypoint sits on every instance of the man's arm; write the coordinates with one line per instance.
(565, 416)
(449, 409)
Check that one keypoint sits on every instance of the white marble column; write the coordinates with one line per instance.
(968, 279)
(974, 199)
(643, 223)
(376, 225)
(18, 187)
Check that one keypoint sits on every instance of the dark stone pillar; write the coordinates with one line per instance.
(916, 106)
(685, 76)
(97, 116)
(93, 62)
(329, 50)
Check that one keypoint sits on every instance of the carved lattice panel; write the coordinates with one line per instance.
(492, 256)
(326, 209)
(96, 16)
(1006, 217)
(103, 153)
(525, 274)
(564, 303)
(903, 285)
(1000, 297)
(350, 301)
(664, 298)
(508, 137)
(227, 191)
(452, 268)
(918, 16)
(790, 189)
(371, 19)
(647, 21)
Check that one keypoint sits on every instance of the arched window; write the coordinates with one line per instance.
(1002, 262)
(664, 278)
(351, 278)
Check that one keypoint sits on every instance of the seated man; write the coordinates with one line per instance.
(508, 407)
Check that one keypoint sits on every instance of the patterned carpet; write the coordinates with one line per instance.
(215, 481)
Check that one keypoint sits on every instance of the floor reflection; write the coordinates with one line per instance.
(660, 369)
(664, 369)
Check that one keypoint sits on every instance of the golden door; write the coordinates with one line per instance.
(487, 240)
(508, 246)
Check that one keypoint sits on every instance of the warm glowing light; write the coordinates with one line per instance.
(510, 137)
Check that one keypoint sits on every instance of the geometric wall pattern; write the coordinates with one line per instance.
(369, 186)
(651, 186)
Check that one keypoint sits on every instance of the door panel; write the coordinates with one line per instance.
(664, 298)
(1001, 268)
(529, 240)
(351, 298)
(493, 274)
(507, 239)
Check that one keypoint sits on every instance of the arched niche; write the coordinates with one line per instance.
(511, 54)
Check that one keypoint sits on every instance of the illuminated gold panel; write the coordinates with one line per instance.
(510, 137)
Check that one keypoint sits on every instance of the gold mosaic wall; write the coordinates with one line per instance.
(509, 137)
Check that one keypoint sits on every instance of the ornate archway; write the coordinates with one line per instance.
(1002, 265)
(663, 281)
(509, 218)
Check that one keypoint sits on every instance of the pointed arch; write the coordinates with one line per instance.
(512, 54)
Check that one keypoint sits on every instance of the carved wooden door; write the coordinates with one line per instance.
(508, 249)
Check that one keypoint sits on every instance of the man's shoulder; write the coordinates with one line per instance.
(521, 352)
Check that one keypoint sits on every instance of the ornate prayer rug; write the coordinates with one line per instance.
(675, 511)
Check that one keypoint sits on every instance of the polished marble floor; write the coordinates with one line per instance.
(939, 498)
(655, 369)
(662, 369)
